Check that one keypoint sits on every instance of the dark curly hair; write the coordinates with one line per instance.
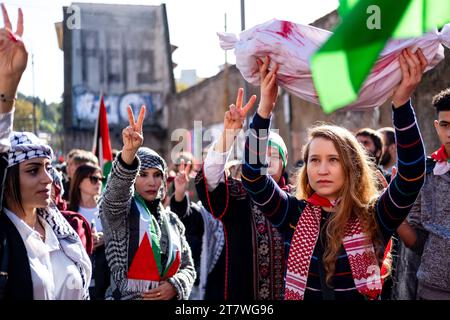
(441, 101)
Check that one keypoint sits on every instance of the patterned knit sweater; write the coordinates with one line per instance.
(116, 208)
(430, 217)
(284, 210)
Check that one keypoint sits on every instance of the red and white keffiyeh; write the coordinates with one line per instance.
(360, 251)
(291, 45)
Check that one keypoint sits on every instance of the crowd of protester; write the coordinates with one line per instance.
(366, 215)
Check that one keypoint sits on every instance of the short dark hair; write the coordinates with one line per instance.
(441, 101)
(389, 133)
(372, 134)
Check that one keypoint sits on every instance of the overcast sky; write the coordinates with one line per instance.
(192, 25)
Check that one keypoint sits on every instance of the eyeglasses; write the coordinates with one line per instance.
(95, 179)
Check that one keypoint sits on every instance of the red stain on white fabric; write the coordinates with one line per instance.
(291, 45)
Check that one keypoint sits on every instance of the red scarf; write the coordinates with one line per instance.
(442, 165)
(360, 252)
(440, 155)
(319, 201)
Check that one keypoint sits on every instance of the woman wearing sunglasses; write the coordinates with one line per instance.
(85, 192)
(83, 198)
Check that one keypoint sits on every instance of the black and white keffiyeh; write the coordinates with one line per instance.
(57, 180)
(151, 159)
(26, 146)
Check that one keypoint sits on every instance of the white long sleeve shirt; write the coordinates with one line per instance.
(54, 275)
(92, 215)
(214, 166)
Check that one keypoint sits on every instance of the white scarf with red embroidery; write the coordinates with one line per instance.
(360, 251)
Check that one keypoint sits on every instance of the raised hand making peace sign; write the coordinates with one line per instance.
(132, 136)
(182, 180)
(234, 121)
(234, 118)
(13, 60)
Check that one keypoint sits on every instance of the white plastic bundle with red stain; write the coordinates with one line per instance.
(291, 45)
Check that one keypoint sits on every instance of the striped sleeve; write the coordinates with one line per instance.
(397, 200)
(275, 203)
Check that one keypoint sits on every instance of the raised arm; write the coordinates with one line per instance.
(119, 189)
(395, 203)
(208, 181)
(179, 201)
(116, 200)
(13, 61)
(264, 191)
(218, 154)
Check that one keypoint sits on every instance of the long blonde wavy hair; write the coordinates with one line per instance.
(357, 195)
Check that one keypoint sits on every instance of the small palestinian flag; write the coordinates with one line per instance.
(102, 144)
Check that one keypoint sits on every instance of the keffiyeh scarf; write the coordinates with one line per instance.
(360, 251)
(151, 159)
(26, 146)
(147, 268)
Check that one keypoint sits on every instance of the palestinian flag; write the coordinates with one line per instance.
(102, 144)
(146, 269)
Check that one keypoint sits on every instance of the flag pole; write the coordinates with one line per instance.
(94, 142)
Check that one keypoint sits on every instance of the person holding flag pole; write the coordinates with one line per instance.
(146, 247)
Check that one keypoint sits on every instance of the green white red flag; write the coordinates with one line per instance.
(102, 144)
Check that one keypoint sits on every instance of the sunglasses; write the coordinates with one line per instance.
(95, 179)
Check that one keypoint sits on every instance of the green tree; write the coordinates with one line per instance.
(48, 118)
(23, 116)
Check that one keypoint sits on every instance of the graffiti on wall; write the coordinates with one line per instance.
(87, 104)
(128, 67)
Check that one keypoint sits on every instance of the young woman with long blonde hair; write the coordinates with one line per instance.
(337, 225)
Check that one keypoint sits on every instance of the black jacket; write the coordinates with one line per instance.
(13, 254)
(19, 285)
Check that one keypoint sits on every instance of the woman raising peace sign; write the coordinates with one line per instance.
(146, 247)
(42, 256)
